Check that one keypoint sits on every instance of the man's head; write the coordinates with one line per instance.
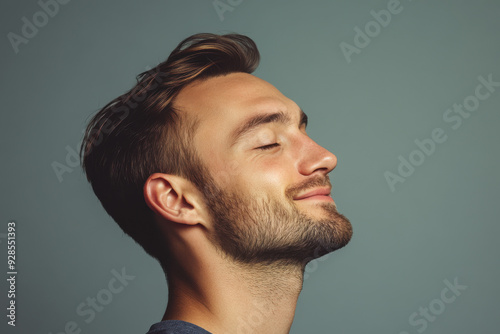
(201, 141)
(258, 162)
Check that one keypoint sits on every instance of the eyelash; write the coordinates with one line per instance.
(268, 147)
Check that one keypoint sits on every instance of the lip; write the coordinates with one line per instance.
(319, 193)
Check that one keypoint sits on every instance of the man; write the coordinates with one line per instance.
(211, 171)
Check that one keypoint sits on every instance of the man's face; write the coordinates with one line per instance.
(261, 168)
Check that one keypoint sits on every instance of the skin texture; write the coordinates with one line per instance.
(241, 242)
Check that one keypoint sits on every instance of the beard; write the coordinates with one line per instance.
(267, 230)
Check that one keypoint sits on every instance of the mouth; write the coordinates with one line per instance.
(321, 194)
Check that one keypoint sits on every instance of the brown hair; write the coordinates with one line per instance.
(141, 132)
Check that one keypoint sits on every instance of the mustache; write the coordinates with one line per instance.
(315, 182)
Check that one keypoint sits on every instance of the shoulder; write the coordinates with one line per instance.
(176, 327)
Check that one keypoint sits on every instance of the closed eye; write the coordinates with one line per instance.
(268, 147)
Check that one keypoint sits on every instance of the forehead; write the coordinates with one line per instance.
(222, 97)
(222, 103)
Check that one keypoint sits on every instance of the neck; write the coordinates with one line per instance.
(235, 298)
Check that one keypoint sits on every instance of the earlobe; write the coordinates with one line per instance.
(167, 196)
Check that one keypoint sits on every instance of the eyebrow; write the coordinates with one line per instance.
(258, 120)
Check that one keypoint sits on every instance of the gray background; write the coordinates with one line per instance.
(440, 224)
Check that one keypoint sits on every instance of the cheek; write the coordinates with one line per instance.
(227, 173)
(267, 178)
(222, 168)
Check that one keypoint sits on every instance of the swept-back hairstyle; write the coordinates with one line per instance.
(141, 132)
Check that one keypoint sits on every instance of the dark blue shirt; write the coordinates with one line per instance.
(176, 327)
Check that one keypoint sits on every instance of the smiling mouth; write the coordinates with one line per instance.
(322, 194)
(317, 197)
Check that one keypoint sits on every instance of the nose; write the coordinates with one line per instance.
(314, 158)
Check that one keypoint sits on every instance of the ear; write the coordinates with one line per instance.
(174, 198)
